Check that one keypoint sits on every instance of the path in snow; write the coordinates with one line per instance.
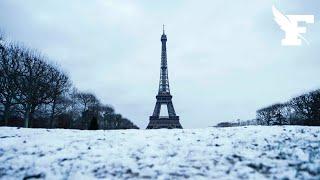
(242, 152)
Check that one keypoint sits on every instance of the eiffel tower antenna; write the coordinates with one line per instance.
(163, 28)
(164, 97)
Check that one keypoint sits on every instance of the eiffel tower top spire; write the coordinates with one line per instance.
(163, 29)
(164, 78)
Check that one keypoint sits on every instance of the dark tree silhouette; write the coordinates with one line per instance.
(307, 107)
(301, 110)
(94, 124)
(9, 72)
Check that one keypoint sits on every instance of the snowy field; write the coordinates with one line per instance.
(288, 152)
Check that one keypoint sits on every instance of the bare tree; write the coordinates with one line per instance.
(2, 43)
(107, 113)
(87, 100)
(272, 115)
(2, 79)
(307, 107)
(264, 116)
(91, 106)
(9, 71)
(33, 85)
(59, 84)
(277, 114)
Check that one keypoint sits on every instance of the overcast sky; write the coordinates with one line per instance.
(225, 57)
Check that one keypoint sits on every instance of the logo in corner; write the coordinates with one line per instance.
(289, 24)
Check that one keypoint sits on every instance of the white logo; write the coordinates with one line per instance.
(289, 24)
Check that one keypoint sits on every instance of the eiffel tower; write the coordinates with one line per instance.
(164, 97)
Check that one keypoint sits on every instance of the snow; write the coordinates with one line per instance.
(253, 152)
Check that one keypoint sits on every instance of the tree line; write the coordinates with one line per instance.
(251, 122)
(39, 94)
(301, 110)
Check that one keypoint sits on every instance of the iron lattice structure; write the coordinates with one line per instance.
(164, 97)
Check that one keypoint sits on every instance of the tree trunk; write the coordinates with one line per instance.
(71, 123)
(52, 114)
(31, 125)
(6, 114)
(27, 117)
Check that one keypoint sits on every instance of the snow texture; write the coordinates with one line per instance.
(255, 152)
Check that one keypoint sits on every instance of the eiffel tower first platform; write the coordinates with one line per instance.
(164, 97)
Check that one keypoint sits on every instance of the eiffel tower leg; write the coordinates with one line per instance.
(157, 108)
(170, 107)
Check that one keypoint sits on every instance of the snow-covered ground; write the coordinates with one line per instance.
(254, 152)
